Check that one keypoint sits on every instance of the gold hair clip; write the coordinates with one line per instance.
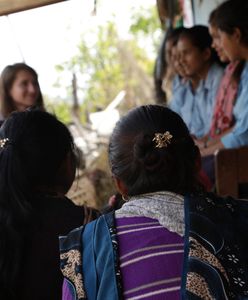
(162, 139)
(3, 142)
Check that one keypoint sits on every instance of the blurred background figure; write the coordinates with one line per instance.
(223, 118)
(232, 27)
(203, 72)
(19, 89)
(166, 67)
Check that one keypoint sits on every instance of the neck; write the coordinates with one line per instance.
(245, 56)
(194, 82)
(204, 71)
(20, 107)
(202, 75)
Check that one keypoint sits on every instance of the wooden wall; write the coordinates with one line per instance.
(12, 6)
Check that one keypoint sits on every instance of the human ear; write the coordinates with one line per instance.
(121, 187)
(237, 36)
(207, 54)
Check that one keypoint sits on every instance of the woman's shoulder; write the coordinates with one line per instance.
(217, 208)
(62, 213)
(209, 198)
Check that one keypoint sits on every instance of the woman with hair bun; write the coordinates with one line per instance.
(170, 240)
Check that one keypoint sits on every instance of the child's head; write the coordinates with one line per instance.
(19, 89)
(151, 150)
(232, 23)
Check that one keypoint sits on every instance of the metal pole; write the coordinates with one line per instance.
(15, 38)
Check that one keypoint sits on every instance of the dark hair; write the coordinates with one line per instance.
(173, 35)
(212, 17)
(7, 78)
(160, 67)
(201, 39)
(233, 14)
(238, 70)
(30, 159)
(143, 167)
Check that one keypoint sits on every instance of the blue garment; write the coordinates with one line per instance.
(92, 248)
(196, 108)
(178, 91)
(239, 135)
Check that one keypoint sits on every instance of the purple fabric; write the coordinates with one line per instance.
(151, 259)
(66, 292)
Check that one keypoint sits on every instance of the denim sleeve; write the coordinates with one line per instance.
(239, 135)
(234, 140)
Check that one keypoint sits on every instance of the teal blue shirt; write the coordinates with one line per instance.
(196, 108)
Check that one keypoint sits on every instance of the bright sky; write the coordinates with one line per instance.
(47, 36)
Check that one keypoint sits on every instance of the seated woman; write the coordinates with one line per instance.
(223, 119)
(170, 240)
(37, 168)
(200, 64)
(232, 25)
(19, 89)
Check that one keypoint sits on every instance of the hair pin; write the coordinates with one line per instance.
(3, 142)
(162, 139)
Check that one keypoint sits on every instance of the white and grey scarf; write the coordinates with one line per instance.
(166, 207)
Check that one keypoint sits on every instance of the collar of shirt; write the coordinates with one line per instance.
(204, 84)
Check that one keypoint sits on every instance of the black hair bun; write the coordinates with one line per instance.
(146, 153)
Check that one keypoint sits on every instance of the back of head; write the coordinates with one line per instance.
(39, 141)
(232, 14)
(33, 145)
(7, 78)
(138, 161)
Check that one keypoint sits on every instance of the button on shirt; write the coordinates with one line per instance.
(239, 135)
(196, 108)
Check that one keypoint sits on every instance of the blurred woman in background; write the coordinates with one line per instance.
(203, 72)
(231, 21)
(19, 89)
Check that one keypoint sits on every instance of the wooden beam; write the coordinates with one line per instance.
(12, 6)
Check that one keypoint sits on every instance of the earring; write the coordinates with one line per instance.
(124, 198)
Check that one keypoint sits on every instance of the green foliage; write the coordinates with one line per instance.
(109, 64)
(145, 21)
(59, 108)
